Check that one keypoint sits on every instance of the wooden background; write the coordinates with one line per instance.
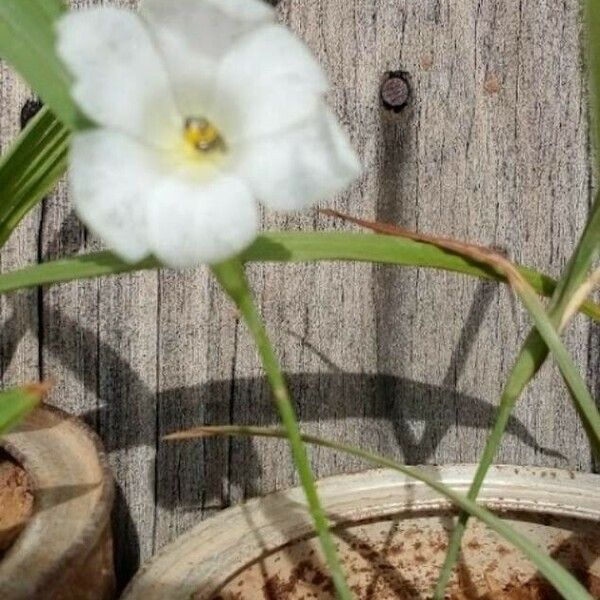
(493, 147)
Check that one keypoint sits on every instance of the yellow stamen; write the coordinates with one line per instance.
(202, 134)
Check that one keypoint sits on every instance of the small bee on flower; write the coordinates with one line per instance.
(203, 108)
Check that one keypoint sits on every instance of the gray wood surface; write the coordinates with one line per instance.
(493, 147)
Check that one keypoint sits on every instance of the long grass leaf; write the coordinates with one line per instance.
(30, 168)
(582, 398)
(233, 280)
(292, 247)
(28, 42)
(17, 403)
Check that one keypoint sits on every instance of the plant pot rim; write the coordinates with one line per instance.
(217, 548)
(71, 479)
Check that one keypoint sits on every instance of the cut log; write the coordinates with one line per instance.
(65, 550)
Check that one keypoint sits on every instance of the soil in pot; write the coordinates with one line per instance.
(16, 501)
(387, 560)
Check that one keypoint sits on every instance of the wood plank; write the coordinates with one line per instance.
(19, 348)
(196, 349)
(99, 343)
(492, 147)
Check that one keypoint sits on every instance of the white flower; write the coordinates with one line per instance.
(203, 107)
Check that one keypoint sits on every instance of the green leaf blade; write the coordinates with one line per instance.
(30, 169)
(52, 8)
(17, 403)
(535, 351)
(28, 43)
(232, 277)
(288, 247)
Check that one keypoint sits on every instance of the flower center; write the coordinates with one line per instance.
(202, 135)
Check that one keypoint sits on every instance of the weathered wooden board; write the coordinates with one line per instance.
(493, 147)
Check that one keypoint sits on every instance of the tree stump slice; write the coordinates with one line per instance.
(65, 550)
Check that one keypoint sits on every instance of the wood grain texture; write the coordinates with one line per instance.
(493, 147)
(19, 344)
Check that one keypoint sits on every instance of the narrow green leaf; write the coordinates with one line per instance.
(17, 403)
(555, 573)
(28, 42)
(581, 294)
(530, 359)
(288, 247)
(30, 168)
(586, 407)
(233, 280)
(52, 8)
(88, 266)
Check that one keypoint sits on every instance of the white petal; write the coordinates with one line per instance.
(191, 223)
(120, 81)
(110, 175)
(301, 166)
(267, 82)
(253, 11)
(193, 35)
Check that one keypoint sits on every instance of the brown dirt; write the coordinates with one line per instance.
(276, 589)
(377, 574)
(535, 589)
(309, 582)
(16, 501)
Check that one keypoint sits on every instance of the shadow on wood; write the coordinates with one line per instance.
(202, 474)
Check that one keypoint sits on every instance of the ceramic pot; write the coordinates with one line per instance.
(391, 534)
